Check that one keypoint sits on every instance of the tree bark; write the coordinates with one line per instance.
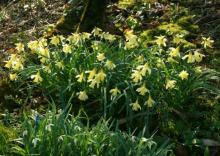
(93, 15)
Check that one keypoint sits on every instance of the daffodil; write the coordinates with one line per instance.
(161, 41)
(96, 45)
(82, 95)
(91, 73)
(17, 64)
(160, 63)
(207, 42)
(60, 65)
(110, 65)
(19, 47)
(114, 92)
(135, 106)
(13, 77)
(190, 58)
(86, 35)
(142, 90)
(108, 37)
(174, 52)
(144, 68)
(96, 31)
(100, 57)
(74, 38)
(55, 40)
(140, 59)
(150, 102)
(183, 75)
(33, 45)
(44, 54)
(131, 40)
(170, 84)
(37, 77)
(8, 64)
(93, 82)
(12, 60)
(47, 69)
(171, 60)
(198, 56)
(67, 48)
(80, 77)
(198, 70)
(42, 42)
(100, 76)
(136, 76)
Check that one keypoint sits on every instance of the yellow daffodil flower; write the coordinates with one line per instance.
(100, 57)
(8, 64)
(91, 73)
(198, 70)
(42, 42)
(161, 41)
(108, 37)
(207, 42)
(100, 76)
(17, 65)
(37, 77)
(82, 95)
(150, 102)
(135, 106)
(183, 75)
(13, 77)
(19, 47)
(136, 76)
(85, 35)
(43, 54)
(15, 62)
(75, 38)
(93, 83)
(131, 40)
(96, 31)
(140, 59)
(96, 45)
(114, 92)
(174, 52)
(80, 77)
(60, 65)
(160, 63)
(55, 40)
(171, 60)
(67, 48)
(33, 45)
(170, 84)
(142, 90)
(47, 69)
(190, 58)
(145, 68)
(110, 65)
(198, 56)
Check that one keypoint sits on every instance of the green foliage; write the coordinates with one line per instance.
(63, 134)
(121, 79)
(153, 79)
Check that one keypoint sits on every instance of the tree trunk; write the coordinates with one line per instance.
(93, 15)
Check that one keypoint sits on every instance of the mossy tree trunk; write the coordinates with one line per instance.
(93, 15)
(83, 16)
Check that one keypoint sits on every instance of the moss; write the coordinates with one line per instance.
(6, 135)
(186, 22)
(172, 28)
